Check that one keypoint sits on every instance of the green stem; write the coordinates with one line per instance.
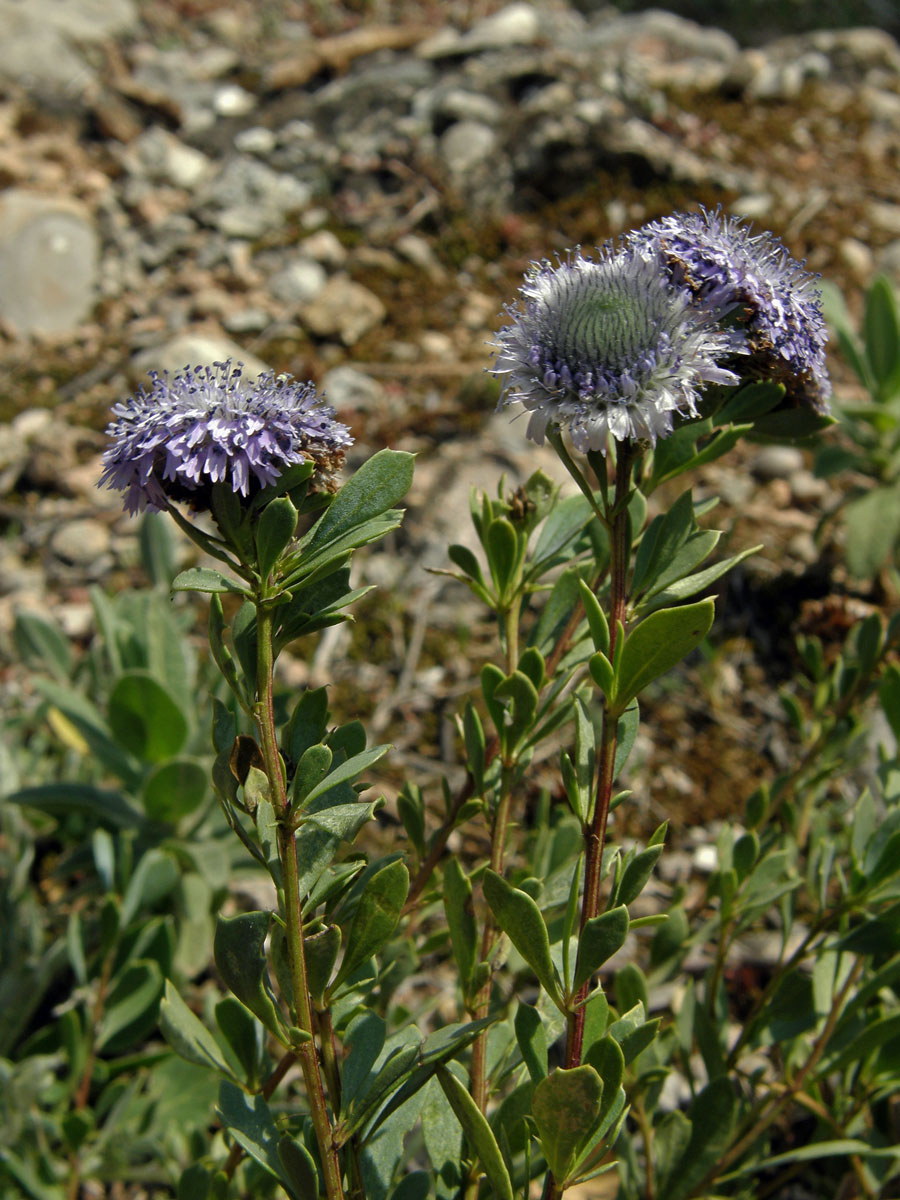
(293, 914)
(595, 834)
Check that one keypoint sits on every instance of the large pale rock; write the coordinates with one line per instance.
(344, 309)
(192, 350)
(48, 262)
(39, 46)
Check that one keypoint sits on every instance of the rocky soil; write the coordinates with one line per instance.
(350, 193)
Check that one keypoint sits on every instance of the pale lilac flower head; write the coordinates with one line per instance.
(769, 294)
(608, 346)
(208, 426)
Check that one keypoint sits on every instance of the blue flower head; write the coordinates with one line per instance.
(608, 346)
(208, 426)
(766, 292)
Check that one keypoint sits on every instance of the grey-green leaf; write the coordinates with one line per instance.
(375, 918)
(187, 1035)
(478, 1132)
(565, 1107)
(520, 919)
(600, 938)
(657, 644)
(239, 951)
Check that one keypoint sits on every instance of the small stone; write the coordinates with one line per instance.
(161, 157)
(247, 320)
(885, 216)
(233, 101)
(80, 542)
(300, 282)
(419, 252)
(348, 388)
(256, 140)
(515, 25)
(806, 487)
(777, 462)
(857, 257)
(437, 345)
(344, 309)
(48, 262)
(467, 145)
(803, 547)
(889, 260)
(705, 859)
(325, 248)
(190, 350)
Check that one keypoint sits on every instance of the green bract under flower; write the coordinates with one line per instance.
(208, 425)
(609, 347)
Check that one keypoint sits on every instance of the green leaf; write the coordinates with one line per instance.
(478, 1133)
(321, 833)
(663, 538)
(363, 1043)
(308, 724)
(532, 1039)
(131, 1007)
(658, 643)
(606, 1057)
(90, 732)
(603, 674)
(415, 1186)
(206, 579)
(299, 1168)
(377, 486)
(523, 697)
(322, 951)
(145, 719)
(239, 951)
(244, 1035)
(194, 1182)
(476, 746)
(690, 585)
(375, 918)
(748, 403)
(520, 919)
(670, 1140)
(346, 772)
(277, 524)
(600, 938)
(596, 618)
(157, 548)
(174, 789)
(460, 915)
(565, 1107)
(562, 526)
(250, 1122)
(42, 644)
(502, 548)
(790, 424)
(712, 1116)
(107, 809)
(882, 334)
(155, 876)
(872, 530)
(187, 1035)
(311, 770)
(636, 874)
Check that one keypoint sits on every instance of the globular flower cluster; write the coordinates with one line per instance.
(767, 293)
(624, 344)
(207, 425)
(609, 346)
